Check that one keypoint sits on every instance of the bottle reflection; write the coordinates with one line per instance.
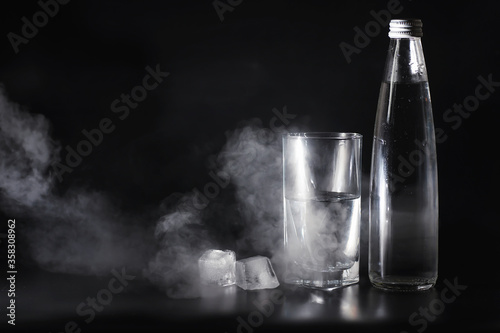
(385, 306)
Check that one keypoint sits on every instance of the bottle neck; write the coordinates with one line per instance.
(405, 61)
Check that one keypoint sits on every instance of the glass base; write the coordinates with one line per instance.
(397, 283)
(328, 280)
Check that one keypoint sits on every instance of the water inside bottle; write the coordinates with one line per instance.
(403, 196)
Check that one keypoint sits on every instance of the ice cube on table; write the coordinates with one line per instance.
(217, 267)
(255, 273)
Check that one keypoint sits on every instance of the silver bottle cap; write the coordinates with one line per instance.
(405, 28)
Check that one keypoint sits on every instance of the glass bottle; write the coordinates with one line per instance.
(403, 249)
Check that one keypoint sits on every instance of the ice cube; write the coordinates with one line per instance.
(255, 273)
(217, 267)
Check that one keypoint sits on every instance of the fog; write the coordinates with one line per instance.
(83, 231)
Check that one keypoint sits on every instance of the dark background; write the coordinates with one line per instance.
(264, 55)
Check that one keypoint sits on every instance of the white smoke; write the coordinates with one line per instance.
(26, 152)
(83, 232)
(181, 238)
(80, 232)
(252, 159)
(250, 162)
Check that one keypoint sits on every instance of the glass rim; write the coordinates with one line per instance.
(324, 135)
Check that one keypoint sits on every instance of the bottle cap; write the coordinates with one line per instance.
(405, 28)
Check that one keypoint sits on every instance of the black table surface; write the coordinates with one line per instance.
(54, 302)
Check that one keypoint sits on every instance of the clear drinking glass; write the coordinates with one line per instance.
(322, 208)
